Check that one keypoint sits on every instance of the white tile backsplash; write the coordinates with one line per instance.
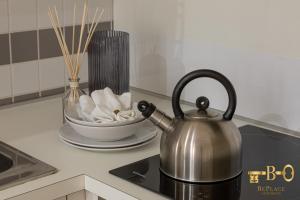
(92, 5)
(3, 17)
(68, 11)
(5, 82)
(23, 15)
(51, 73)
(25, 78)
(101, 4)
(43, 18)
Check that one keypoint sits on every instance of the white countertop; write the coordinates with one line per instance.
(34, 127)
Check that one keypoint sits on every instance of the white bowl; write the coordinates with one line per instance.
(105, 124)
(105, 133)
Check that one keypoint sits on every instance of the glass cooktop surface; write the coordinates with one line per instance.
(271, 162)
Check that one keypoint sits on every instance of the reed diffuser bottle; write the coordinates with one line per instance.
(71, 99)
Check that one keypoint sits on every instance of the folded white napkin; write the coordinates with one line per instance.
(125, 100)
(87, 106)
(104, 106)
(126, 115)
(102, 114)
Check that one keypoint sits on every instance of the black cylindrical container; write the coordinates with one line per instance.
(109, 61)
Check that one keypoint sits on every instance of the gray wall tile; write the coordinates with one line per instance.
(5, 101)
(4, 49)
(104, 26)
(49, 46)
(24, 46)
(69, 35)
(26, 97)
(84, 85)
(53, 92)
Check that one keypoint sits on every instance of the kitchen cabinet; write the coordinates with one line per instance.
(77, 195)
(80, 195)
(91, 196)
(61, 198)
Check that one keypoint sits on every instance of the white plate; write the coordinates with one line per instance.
(112, 133)
(141, 135)
(107, 149)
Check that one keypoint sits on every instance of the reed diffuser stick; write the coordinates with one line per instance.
(81, 34)
(73, 60)
(90, 35)
(68, 64)
(62, 36)
(73, 31)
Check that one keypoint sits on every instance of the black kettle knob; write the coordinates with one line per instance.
(209, 74)
(202, 103)
(146, 108)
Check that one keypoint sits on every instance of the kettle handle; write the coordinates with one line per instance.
(208, 74)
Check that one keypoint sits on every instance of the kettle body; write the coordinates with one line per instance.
(199, 145)
(217, 158)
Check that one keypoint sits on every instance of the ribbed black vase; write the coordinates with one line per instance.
(109, 61)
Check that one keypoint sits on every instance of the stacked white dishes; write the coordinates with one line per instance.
(142, 136)
(106, 121)
(106, 132)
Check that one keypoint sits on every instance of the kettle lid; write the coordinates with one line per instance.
(203, 112)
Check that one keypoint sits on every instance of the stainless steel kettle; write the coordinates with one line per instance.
(199, 145)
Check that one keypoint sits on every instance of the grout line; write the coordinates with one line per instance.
(10, 53)
(38, 46)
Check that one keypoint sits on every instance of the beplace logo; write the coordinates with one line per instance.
(271, 173)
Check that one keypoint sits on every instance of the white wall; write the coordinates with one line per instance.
(256, 44)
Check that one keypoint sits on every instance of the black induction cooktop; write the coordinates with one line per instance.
(271, 171)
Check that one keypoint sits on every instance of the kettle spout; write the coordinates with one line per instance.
(156, 116)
